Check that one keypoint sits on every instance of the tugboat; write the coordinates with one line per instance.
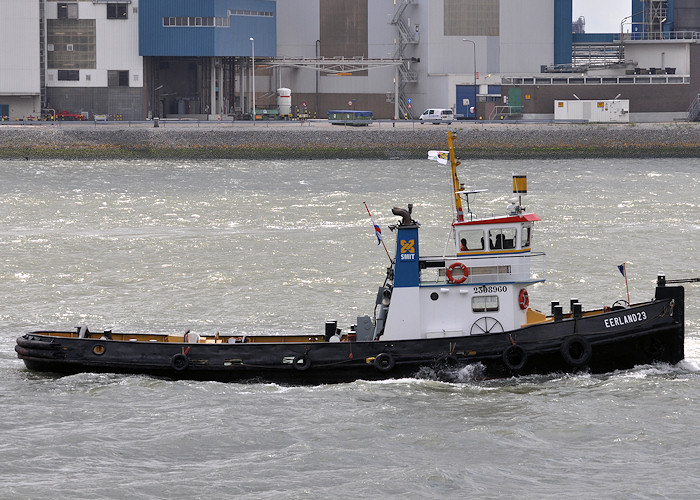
(433, 316)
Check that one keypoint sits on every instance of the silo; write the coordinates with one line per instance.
(284, 101)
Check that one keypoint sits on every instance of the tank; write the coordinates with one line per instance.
(284, 101)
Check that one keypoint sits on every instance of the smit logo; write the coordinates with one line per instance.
(408, 250)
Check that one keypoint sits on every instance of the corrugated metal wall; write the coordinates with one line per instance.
(343, 26)
(190, 36)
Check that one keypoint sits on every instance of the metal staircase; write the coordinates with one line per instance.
(694, 110)
(407, 36)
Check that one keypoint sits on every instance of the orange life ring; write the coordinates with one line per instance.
(465, 271)
(524, 299)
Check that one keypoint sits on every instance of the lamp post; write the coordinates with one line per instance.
(156, 106)
(661, 28)
(252, 43)
(318, 54)
(475, 86)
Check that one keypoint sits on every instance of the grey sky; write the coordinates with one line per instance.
(602, 16)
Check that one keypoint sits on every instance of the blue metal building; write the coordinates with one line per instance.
(207, 28)
(562, 31)
(198, 54)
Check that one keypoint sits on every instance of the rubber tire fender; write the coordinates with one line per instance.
(514, 351)
(179, 362)
(384, 362)
(301, 362)
(582, 354)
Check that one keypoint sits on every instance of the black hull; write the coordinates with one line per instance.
(616, 340)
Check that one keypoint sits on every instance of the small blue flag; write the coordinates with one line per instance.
(621, 267)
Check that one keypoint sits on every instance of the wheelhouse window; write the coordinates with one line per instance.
(502, 238)
(117, 11)
(485, 303)
(471, 240)
(525, 238)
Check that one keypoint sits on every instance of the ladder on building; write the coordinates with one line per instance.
(407, 36)
(694, 110)
(42, 54)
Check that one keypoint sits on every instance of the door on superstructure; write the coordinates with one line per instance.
(466, 99)
(4, 111)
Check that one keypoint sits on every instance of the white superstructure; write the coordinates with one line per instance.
(478, 288)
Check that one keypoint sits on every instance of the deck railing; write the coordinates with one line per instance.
(486, 269)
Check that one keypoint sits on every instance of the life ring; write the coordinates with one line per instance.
(524, 299)
(301, 362)
(465, 271)
(576, 351)
(384, 362)
(179, 362)
(514, 357)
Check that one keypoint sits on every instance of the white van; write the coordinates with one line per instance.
(435, 116)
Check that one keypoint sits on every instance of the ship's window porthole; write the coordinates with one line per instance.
(99, 349)
(485, 303)
(434, 296)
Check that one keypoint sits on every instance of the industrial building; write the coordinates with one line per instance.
(218, 59)
(20, 64)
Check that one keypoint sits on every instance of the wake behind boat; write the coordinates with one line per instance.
(469, 306)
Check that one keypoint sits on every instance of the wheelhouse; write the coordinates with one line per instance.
(511, 234)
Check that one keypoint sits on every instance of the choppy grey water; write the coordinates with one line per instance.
(283, 246)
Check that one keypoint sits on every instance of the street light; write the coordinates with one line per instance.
(156, 107)
(475, 87)
(252, 43)
(318, 54)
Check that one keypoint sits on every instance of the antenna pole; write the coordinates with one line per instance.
(455, 180)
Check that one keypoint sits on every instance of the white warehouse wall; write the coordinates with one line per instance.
(19, 30)
(526, 35)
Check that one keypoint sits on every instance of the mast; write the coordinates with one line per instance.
(455, 180)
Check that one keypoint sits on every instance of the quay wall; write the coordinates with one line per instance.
(320, 140)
